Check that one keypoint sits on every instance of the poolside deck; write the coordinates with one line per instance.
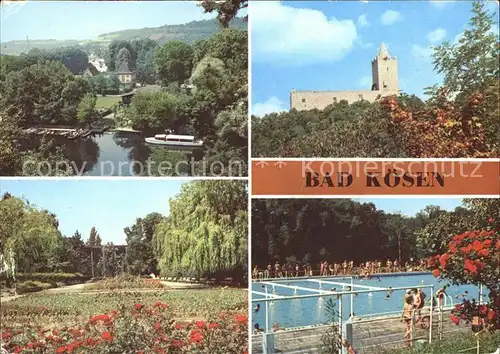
(370, 336)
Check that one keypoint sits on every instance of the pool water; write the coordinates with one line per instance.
(313, 311)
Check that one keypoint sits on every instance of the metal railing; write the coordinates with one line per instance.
(344, 328)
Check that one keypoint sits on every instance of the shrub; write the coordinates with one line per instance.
(32, 286)
(53, 278)
(125, 281)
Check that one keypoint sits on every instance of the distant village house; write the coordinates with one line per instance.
(99, 63)
(90, 70)
(125, 75)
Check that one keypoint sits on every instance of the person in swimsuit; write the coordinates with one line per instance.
(407, 317)
(440, 295)
(256, 272)
(269, 269)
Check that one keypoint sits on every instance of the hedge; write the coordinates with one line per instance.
(32, 286)
(52, 278)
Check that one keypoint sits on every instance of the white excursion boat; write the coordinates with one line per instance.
(174, 140)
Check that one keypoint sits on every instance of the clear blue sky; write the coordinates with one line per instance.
(329, 45)
(109, 205)
(86, 20)
(411, 206)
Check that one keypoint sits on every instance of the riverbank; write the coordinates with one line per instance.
(69, 133)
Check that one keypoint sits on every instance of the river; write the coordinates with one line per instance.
(126, 154)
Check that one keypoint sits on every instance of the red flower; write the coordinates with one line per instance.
(213, 326)
(487, 243)
(176, 343)
(61, 349)
(178, 326)
(483, 310)
(200, 324)
(443, 259)
(491, 315)
(241, 319)
(159, 304)
(196, 337)
(466, 250)
(6, 335)
(455, 319)
(104, 318)
(477, 246)
(484, 253)
(436, 272)
(470, 266)
(453, 247)
(490, 220)
(138, 306)
(107, 336)
(156, 326)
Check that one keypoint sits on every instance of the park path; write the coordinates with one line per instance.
(80, 289)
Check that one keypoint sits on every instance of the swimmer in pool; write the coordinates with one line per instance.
(257, 308)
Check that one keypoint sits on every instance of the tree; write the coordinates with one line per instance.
(141, 256)
(75, 59)
(22, 98)
(145, 68)
(31, 235)
(123, 56)
(472, 258)
(470, 65)
(112, 53)
(226, 10)
(174, 62)
(206, 232)
(86, 109)
(94, 239)
(112, 262)
(152, 110)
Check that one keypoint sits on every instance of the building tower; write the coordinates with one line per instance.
(385, 71)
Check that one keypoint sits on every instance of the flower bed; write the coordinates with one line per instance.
(134, 329)
(125, 281)
(71, 309)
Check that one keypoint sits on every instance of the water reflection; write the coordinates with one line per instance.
(126, 154)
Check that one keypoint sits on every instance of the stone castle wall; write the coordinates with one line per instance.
(305, 100)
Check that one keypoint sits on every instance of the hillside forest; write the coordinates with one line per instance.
(201, 80)
(459, 118)
(204, 235)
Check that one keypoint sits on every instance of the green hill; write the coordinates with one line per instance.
(189, 32)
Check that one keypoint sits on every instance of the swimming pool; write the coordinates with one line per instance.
(312, 311)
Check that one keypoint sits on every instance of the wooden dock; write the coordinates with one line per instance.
(70, 133)
(370, 336)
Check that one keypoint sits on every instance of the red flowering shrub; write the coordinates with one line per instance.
(441, 132)
(134, 329)
(473, 258)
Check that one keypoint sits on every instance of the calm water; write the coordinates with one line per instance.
(312, 311)
(125, 154)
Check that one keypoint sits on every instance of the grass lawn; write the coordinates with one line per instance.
(107, 101)
(70, 308)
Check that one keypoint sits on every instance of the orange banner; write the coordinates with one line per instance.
(333, 177)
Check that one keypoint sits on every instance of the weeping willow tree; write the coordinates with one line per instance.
(29, 235)
(206, 232)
